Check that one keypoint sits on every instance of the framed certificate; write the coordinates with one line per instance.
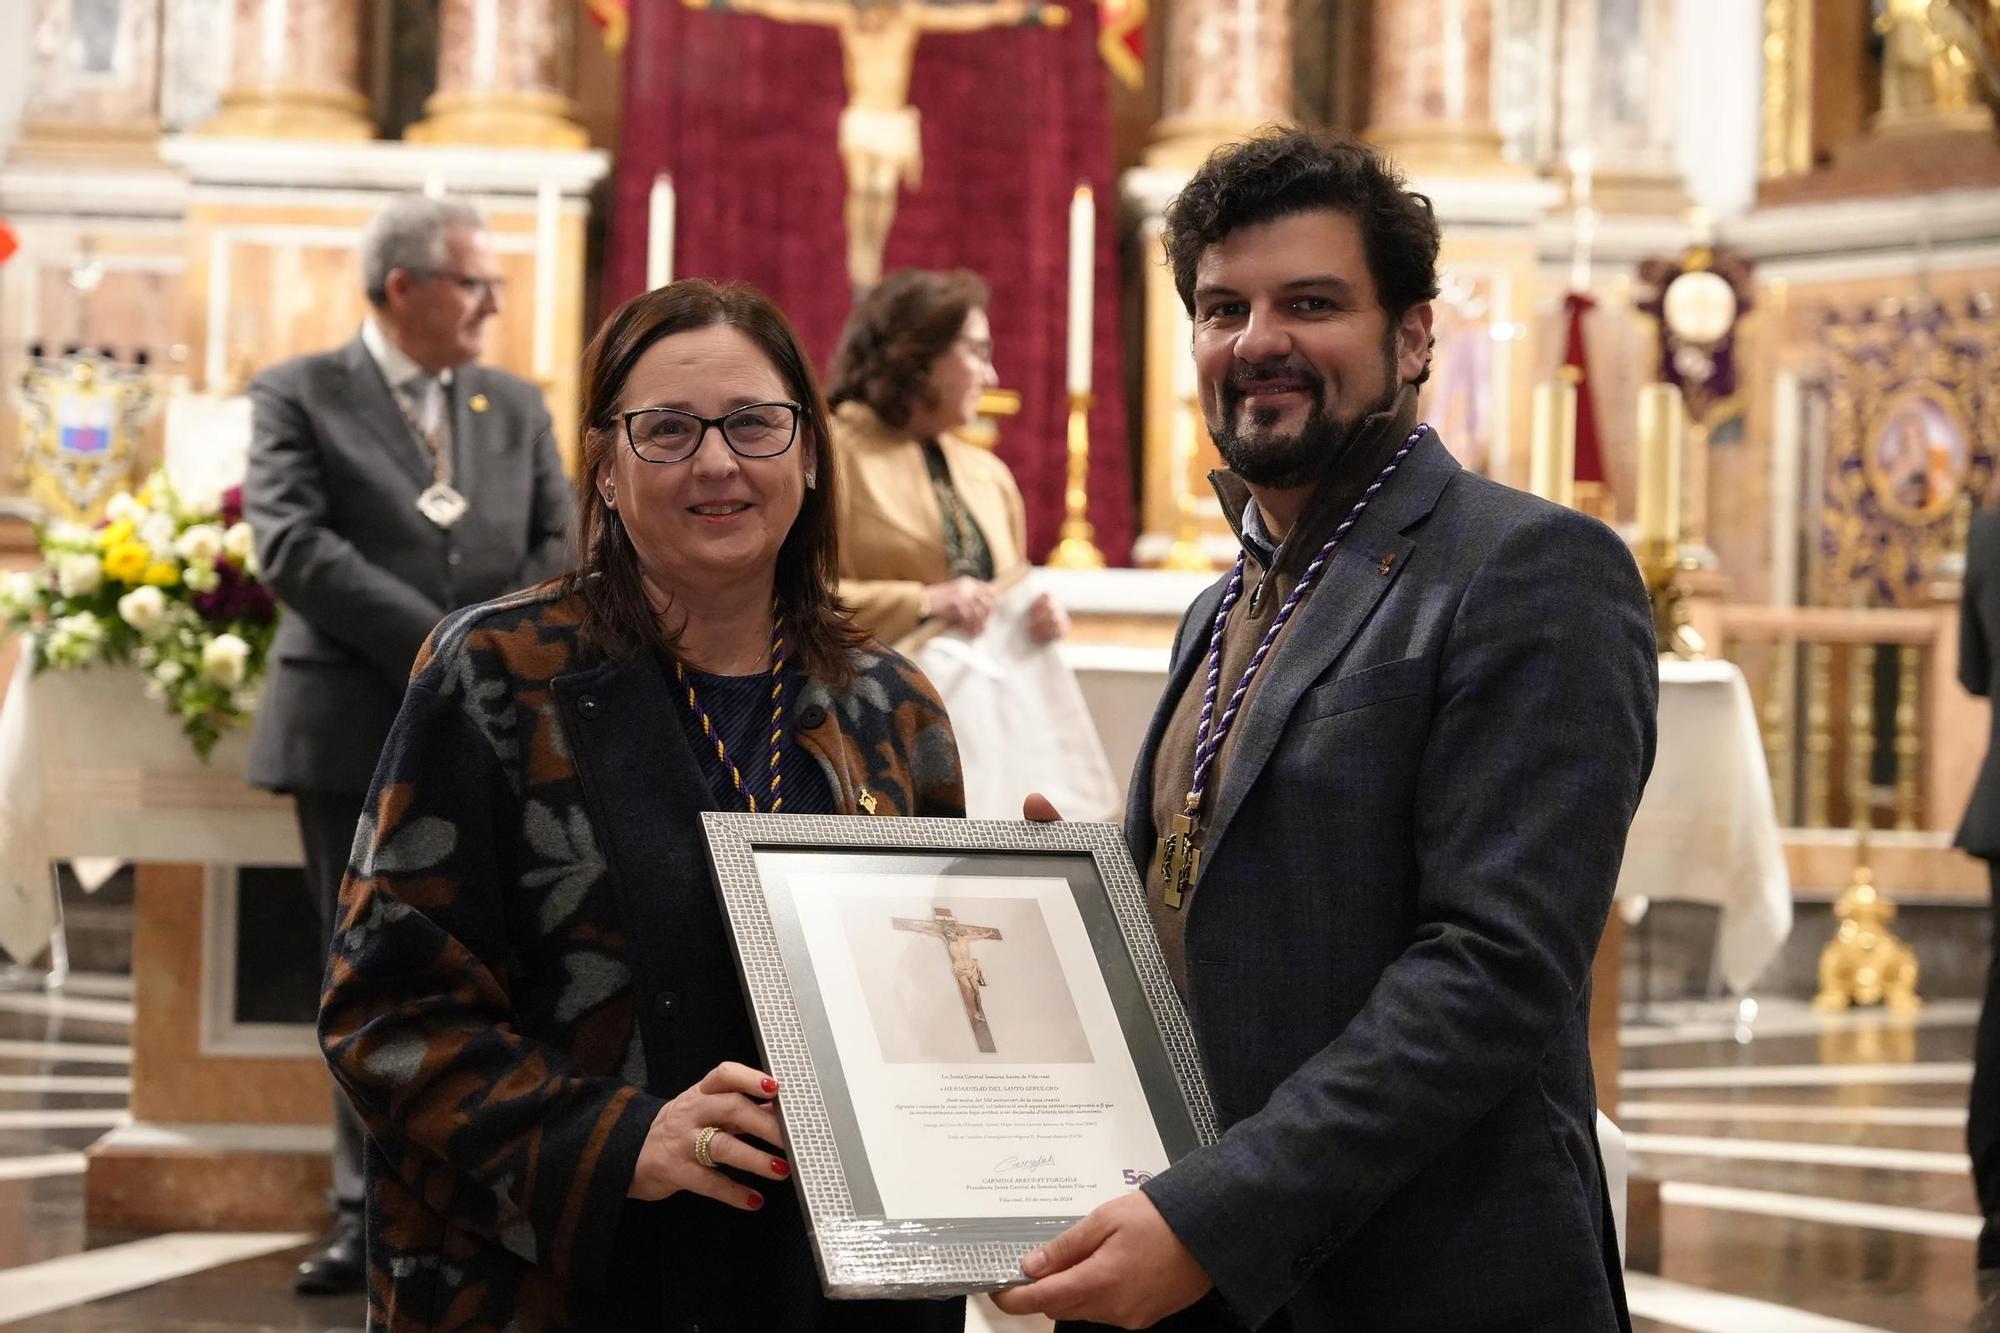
(974, 1029)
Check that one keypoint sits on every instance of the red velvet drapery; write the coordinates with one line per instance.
(743, 113)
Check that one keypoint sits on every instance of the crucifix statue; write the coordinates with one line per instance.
(881, 145)
(958, 938)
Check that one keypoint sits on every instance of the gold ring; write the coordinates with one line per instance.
(701, 1142)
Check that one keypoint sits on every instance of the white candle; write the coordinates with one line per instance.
(660, 233)
(1082, 270)
(1660, 426)
(1542, 442)
(1583, 221)
(548, 203)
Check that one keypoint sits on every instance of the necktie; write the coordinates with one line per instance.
(425, 398)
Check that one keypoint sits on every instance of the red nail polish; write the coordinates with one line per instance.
(770, 1085)
(756, 1201)
(781, 1166)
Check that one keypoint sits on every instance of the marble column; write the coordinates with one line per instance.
(1432, 104)
(94, 82)
(295, 73)
(1617, 95)
(1228, 70)
(502, 68)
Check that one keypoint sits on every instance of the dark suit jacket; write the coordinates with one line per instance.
(1410, 862)
(335, 471)
(1978, 631)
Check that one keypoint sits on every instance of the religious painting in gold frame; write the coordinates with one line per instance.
(1913, 425)
(1917, 453)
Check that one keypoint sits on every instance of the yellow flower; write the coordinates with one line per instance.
(127, 561)
(162, 573)
(112, 534)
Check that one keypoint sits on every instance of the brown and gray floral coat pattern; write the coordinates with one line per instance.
(532, 961)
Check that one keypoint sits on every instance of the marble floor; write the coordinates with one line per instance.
(1813, 1169)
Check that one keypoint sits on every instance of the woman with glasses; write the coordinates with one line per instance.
(930, 523)
(532, 998)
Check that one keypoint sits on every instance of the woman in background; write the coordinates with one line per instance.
(929, 524)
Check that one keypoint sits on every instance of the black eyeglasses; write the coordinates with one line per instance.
(669, 435)
(470, 283)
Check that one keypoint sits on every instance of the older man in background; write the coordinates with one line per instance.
(390, 481)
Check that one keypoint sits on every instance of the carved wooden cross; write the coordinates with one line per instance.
(957, 937)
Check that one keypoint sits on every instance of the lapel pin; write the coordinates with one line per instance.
(1387, 563)
(867, 800)
(477, 402)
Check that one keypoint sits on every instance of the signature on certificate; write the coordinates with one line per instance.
(1024, 1165)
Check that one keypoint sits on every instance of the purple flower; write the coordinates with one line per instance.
(235, 598)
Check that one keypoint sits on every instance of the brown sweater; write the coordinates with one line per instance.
(1374, 443)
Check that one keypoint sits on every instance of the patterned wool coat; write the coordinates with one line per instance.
(531, 962)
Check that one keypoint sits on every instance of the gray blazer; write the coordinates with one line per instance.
(1409, 864)
(1979, 672)
(335, 471)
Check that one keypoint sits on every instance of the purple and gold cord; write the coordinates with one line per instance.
(1208, 742)
(773, 796)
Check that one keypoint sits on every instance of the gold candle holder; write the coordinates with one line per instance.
(1078, 547)
(1660, 565)
(1186, 554)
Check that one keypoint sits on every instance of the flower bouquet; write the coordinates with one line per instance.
(167, 583)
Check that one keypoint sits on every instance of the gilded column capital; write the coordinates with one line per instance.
(1432, 100)
(295, 73)
(1227, 72)
(502, 71)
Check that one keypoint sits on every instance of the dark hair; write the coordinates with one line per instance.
(618, 618)
(1281, 172)
(896, 334)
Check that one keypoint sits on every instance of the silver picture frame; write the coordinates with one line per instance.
(772, 875)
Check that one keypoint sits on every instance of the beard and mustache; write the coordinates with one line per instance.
(1303, 457)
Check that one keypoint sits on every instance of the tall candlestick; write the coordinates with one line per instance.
(1082, 270)
(1184, 382)
(660, 233)
(1661, 423)
(1186, 553)
(1568, 381)
(547, 205)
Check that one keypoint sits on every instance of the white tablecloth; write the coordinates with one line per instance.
(1707, 830)
(1022, 721)
(90, 767)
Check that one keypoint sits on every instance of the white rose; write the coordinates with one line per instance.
(169, 672)
(201, 578)
(62, 532)
(143, 608)
(202, 543)
(157, 531)
(74, 640)
(203, 503)
(224, 659)
(78, 575)
(239, 543)
(123, 506)
(19, 591)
